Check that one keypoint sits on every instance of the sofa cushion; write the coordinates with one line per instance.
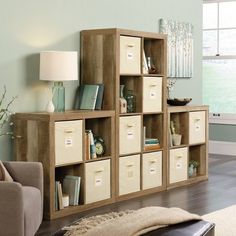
(32, 209)
(4, 174)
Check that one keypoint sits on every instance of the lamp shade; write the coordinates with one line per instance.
(58, 65)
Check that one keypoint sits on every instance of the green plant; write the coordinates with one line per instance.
(194, 163)
(5, 113)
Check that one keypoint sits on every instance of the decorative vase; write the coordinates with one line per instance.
(123, 102)
(131, 101)
(190, 170)
(151, 67)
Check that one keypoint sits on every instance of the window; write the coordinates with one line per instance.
(219, 56)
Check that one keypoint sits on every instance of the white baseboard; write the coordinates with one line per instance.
(222, 148)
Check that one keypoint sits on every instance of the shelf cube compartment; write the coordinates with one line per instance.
(133, 83)
(68, 142)
(129, 135)
(153, 129)
(129, 174)
(101, 127)
(152, 94)
(130, 55)
(197, 153)
(154, 49)
(152, 170)
(197, 127)
(178, 165)
(97, 184)
(180, 126)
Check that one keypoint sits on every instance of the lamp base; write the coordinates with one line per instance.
(58, 96)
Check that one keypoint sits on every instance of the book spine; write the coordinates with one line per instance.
(60, 196)
(92, 146)
(87, 146)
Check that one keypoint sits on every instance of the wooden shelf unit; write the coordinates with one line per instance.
(195, 151)
(36, 142)
(134, 171)
(97, 67)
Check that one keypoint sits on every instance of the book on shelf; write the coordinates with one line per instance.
(90, 97)
(98, 105)
(150, 147)
(59, 195)
(87, 147)
(152, 141)
(56, 197)
(91, 145)
(71, 186)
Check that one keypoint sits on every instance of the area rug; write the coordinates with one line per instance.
(131, 222)
(225, 221)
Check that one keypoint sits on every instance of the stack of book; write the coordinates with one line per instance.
(90, 150)
(151, 144)
(90, 97)
(71, 187)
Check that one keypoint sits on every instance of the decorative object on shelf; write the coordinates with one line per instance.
(170, 85)
(58, 66)
(179, 48)
(151, 67)
(192, 170)
(178, 101)
(50, 106)
(131, 101)
(145, 65)
(99, 145)
(123, 102)
(5, 113)
(88, 96)
(175, 138)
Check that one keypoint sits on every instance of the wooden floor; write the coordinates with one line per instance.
(216, 193)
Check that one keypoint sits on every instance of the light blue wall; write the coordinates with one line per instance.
(30, 26)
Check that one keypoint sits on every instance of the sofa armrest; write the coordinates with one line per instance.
(26, 173)
(11, 209)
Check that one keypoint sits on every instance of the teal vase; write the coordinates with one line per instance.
(59, 96)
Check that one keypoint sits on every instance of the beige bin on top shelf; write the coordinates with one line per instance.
(130, 56)
(97, 179)
(152, 170)
(68, 142)
(197, 127)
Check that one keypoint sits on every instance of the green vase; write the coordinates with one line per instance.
(131, 101)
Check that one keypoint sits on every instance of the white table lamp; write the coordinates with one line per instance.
(58, 66)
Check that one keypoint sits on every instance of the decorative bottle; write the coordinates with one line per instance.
(151, 67)
(131, 101)
(123, 102)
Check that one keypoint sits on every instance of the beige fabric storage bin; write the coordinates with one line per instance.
(97, 181)
(178, 163)
(129, 174)
(130, 56)
(152, 94)
(68, 142)
(152, 170)
(130, 134)
(197, 127)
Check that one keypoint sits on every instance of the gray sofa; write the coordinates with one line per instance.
(21, 201)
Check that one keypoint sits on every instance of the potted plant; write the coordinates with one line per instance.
(5, 114)
(192, 169)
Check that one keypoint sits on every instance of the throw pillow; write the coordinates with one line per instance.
(4, 173)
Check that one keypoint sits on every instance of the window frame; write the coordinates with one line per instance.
(220, 118)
